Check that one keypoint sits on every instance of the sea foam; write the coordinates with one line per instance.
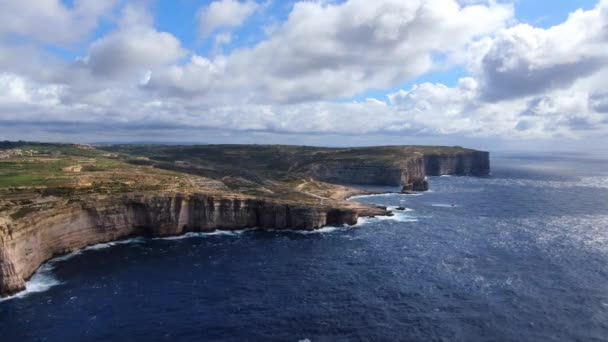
(44, 279)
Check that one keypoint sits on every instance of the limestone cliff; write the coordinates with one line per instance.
(475, 163)
(409, 173)
(171, 190)
(64, 228)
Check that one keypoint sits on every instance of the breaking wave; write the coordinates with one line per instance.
(41, 281)
(44, 279)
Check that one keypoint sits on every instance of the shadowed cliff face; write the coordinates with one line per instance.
(11, 282)
(410, 173)
(475, 163)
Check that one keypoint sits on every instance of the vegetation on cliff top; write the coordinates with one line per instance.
(275, 172)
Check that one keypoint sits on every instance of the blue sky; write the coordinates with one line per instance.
(177, 17)
(320, 72)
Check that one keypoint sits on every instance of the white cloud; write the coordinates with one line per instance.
(51, 21)
(326, 51)
(524, 82)
(135, 47)
(524, 60)
(138, 48)
(16, 90)
(527, 82)
(224, 14)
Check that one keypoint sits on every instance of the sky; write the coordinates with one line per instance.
(512, 74)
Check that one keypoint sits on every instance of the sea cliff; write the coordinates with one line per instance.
(474, 163)
(410, 173)
(63, 228)
(56, 199)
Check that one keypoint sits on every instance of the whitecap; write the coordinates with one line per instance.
(443, 205)
(373, 195)
(41, 281)
(398, 216)
(206, 234)
(324, 230)
(100, 246)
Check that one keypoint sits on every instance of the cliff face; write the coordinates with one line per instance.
(216, 191)
(476, 163)
(349, 172)
(70, 227)
(409, 174)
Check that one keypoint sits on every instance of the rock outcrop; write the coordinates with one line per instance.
(65, 228)
(410, 173)
(474, 163)
(39, 224)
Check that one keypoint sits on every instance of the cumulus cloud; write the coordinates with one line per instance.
(326, 51)
(135, 46)
(523, 81)
(224, 14)
(51, 21)
(524, 60)
(16, 90)
(527, 81)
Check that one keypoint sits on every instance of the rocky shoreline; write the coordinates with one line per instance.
(66, 226)
(27, 244)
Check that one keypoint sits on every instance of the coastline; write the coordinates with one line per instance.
(40, 228)
(42, 280)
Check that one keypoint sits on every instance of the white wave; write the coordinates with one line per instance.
(443, 205)
(66, 257)
(386, 194)
(398, 216)
(179, 237)
(100, 246)
(41, 281)
(323, 230)
(206, 234)
(594, 182)
(230, 232)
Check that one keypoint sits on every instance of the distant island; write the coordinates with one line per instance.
(59, 198)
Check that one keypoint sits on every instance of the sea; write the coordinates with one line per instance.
(521, 255)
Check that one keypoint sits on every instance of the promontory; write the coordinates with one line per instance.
(59, 198)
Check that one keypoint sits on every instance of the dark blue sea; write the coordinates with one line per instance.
(518, 256)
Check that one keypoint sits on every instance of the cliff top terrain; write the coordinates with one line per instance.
(34, 173)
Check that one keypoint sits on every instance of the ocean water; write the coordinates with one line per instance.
(518, 256)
